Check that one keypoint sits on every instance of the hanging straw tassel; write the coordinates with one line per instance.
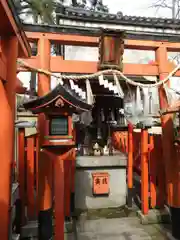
(83, 95)
(60, 79)
(72, 84)
(90, 97)
(120, 91)
(146, 100)
(110, 86)
(101, 80)
(115, 89)
(77, 89)
(171, 95)
(106, 83)
(139, 105)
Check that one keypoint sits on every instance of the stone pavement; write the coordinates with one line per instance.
(116, 229)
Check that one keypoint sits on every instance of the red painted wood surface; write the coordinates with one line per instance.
(59, 197)
(67, 186)
(30, 177)
(130, 157)
(144, 172)
(152, 170)
(21, 169)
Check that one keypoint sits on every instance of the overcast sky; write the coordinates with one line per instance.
(136, 8)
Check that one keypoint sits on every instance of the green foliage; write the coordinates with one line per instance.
(99, 6)
(40, 10)
(94, 5)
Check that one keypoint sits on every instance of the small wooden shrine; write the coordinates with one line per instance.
(58, 106)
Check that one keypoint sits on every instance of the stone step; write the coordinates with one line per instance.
(115, 229)
(155, 216)
(31, 229)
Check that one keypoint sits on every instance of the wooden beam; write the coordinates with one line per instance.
(74, 39)
(59, 197)
(151, 45)
(21, 171)
(140, 69)
(2, 69)
(141, 44)
(144, 173)
(169, 152)
(66, 39)
(30, 177)
(57, 64)
(3, 61)
(45, 161)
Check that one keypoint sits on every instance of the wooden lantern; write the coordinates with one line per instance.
(58, 106)
(111, 49)
(59, 130)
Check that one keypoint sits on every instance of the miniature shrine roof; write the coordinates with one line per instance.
(58, 98)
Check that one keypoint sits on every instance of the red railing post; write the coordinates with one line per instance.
(161, 195)
(37, 169)
(130, 165)
(73, 169)
(144, 172)
(59, 196)
(21, 170)
(30, 177)
(67, 186)
(152, 170)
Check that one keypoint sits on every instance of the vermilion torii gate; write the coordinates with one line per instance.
(13, 44)
(58, 64)
(160, 68)
(44, 60)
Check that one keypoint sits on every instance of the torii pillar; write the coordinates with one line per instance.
(171, 159)
(7, 98)
(45, 162)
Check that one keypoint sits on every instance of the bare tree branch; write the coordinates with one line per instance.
(161, 4)
(172, 5)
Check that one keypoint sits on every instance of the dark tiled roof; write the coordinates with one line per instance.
(87, 15)
(89, 31)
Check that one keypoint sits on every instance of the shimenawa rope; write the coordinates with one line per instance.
(108, 71)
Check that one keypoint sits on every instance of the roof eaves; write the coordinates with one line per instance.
(21, 32)
(84, 15)
(90, 31)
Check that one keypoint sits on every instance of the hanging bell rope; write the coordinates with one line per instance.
(108, 71)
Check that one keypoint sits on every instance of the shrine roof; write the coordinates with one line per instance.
(119, 18)
(88, 23)
(92, 31)
(64, 93)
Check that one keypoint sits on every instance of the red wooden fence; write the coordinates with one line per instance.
(28, 154)
(147, 162)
